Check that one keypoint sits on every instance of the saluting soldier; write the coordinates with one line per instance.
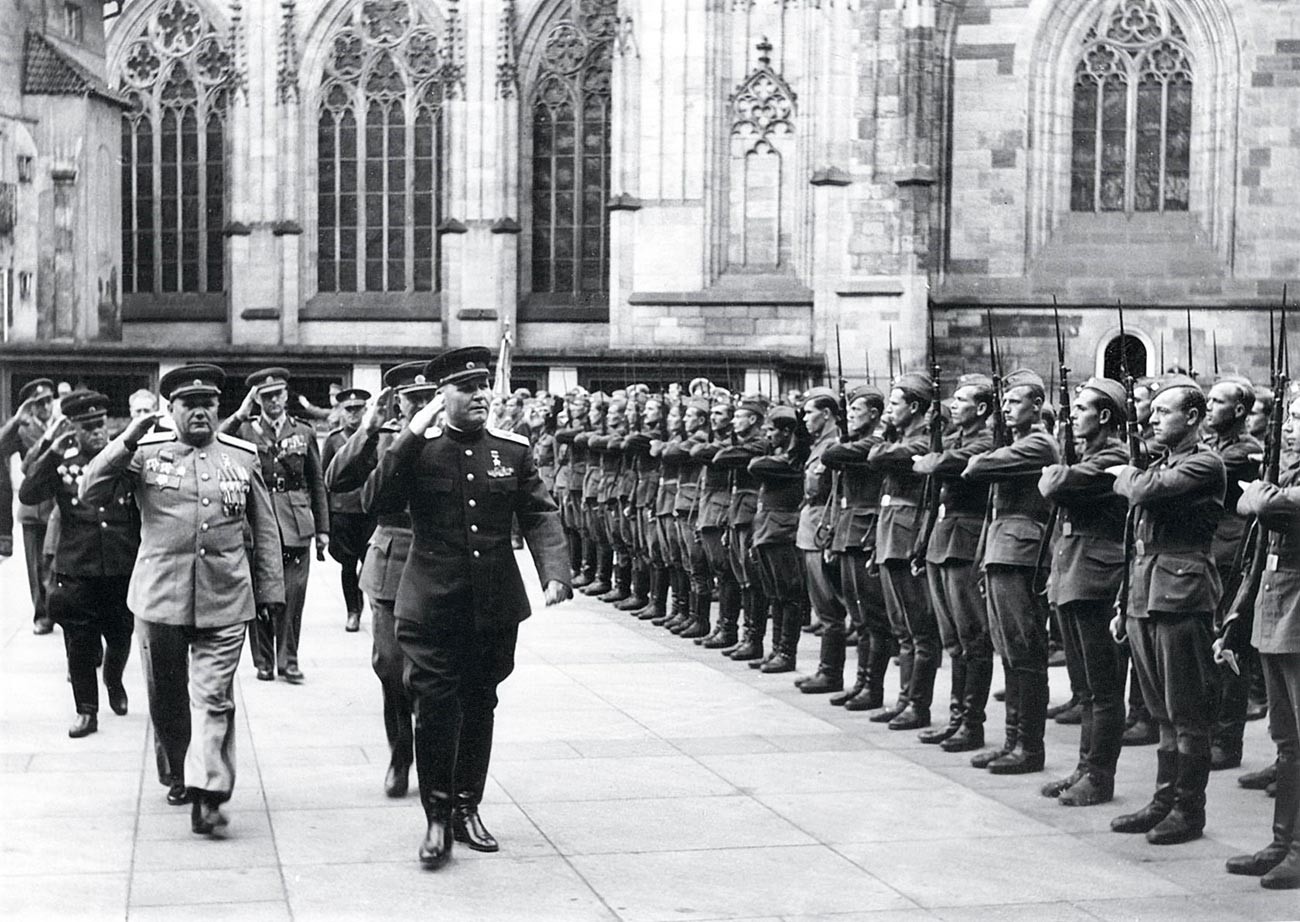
(950, 561)
(292, 471)
(1174, 591)
(461, 597)
(569, 476)
(714, 524)
(390, 544)
(1087, 569)
(686, 512)
(93, 559)
(679, 579)
(602, 553)
(815, 526)
(350, 527)
(20, 435)
(1276, 634)
(197, 580)
(649, 470)
(1016, 531)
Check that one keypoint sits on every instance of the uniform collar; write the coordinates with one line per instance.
(464, 435)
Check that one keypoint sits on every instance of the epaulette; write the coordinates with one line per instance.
(237, 442)
(508, 436)
(433, 432)
(158, 438)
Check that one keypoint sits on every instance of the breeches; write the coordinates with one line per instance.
(1180, 684)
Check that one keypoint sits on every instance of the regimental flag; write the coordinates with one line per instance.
(501, 385)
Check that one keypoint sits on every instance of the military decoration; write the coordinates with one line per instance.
(498, 469)
(234, 482)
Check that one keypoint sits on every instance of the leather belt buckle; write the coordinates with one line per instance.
(1270, 563)
(885, 500)
(1067, 528)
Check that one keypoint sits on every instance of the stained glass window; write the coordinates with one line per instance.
(175, 75)
(1132, 113)
(570, 122)
(378, 138)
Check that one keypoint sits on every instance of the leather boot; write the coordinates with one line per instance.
(1186, 820)
(1141, 733)
(774, 615)
(654, 605)
(1092, 789)
(911, 717)
(1162, 801)
(955, 699)
(1028, 756)
(435, 850)
(859, 680)
(435, 764)
(83, 725)
(600, 584)
(1058, 787)
(724, 634)
(1282, 847)
(829, 676)
(680, 612)
(872, 695)
(751, 644)
(620, 585)
(784, 654)
(698, 626)
(1258, 781)
(587, 571)
(970, 737)
(989, 756)
(1286, 876)
(639, 595)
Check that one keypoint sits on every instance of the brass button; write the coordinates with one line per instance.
(203, 527)
(473, 503)
(101, 508)
(103, 524)
(203, 456)
(203, 476)
(474, 528)
(469, 476)
(206, 501)
(477, 554)
(75, 501)
(469, 453)
(203, 552)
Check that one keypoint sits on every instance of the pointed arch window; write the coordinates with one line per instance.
(176, 76)
(568, 118)
(1132, 113)
(378, 144)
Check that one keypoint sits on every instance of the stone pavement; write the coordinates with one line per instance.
(636, 777)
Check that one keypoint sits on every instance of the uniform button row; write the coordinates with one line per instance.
(469, 476)
(203, 476)
(473, 503)
(203, 552)
(103, 524)
(203, 527)
(477, 554)
(473, 528)
(206, 501)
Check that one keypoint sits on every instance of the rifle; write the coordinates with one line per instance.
(931, 489)
(1191, 368)
(844, 391)
(1137, 456)
(1066, 427)
(1256, 541)
(999, 433)
(1215, 347)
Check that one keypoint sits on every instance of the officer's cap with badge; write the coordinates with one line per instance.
(40, 389)
(353, 398)
(460, 366)
(199, 380)
(268, 381)
(85, 408)
(409, 379)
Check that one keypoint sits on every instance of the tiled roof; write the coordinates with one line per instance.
(47, 71)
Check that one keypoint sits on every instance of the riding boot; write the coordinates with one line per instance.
(920, 692)
(774, 616)
(639, 588)
(784, 652)
(658, 603)
(1284, 872)
(751, 645)
(587, 572)
(699, 623)
(604, 570)
(829, 676)
(620, 585)
(939, 734)
(978, 676)
(724, 635)
(1031, 700)
(436, 737)
(1186, 820)
(989, 756)
(860, 679)
(680, 611)
(872, 695)
(1162, 802)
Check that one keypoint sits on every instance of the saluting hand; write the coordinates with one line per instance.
(425, 416)
(557, 592)
(139, 427)
(249, 403)
(377, 410)
(65, 442)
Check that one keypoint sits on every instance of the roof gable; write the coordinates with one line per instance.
(48, 71)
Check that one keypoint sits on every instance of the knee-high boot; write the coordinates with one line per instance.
(751, 645)
(986, 758)
(657, 601)
(778, 628)
(955, 699)
(978, 678)
(729, 605)
(639, 587)
(680, 613)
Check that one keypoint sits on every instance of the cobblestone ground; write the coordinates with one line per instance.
(636, 777)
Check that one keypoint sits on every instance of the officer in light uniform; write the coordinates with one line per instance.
(461, 596)
(196, 582)
(292, 470)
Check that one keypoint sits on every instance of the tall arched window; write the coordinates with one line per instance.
(1127, 352)
(1132, 113)
(173, 154)
(569, 116)
(378, 140)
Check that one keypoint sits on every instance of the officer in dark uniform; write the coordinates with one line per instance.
(93, 559)
(1087, 569)
(1174, 590)
(715, 524)
(461, 597)
(350, 528)
(390, 544)
(20, 434)
(292, 470)
(686, 515)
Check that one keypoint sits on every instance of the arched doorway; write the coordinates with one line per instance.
(1134, 357)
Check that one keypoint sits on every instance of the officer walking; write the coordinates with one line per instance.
(92, 560)
(350, 528)
(20, 434)
(292, 470)
(461, 596)
(198, 492)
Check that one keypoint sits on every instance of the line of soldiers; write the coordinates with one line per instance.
(907, 529)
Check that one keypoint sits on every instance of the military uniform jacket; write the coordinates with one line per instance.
(900, 492)
(816, 490)
(669, 477)
(858, 493)
(645, 467)
(1088, 547)
(1241, 454)
(390, 542)
(345, 501)
(744, 486)
(291, 468)
(544, 458)
(1020, 513)
(962, 503)
(583, 448)
(689, 471)
(609, 447)
(196, 507)
(626, 482)
(1277, 605)
(99, 540)
(1178, 502)
(573, 464)
(780, 494)
(463, 490)
(23, 436)
(715, 484)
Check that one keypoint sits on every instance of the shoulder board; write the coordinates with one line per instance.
(337, 430)
(508, 436)
(236, 442)
(158, 438)
(391, 426)
(432, 432)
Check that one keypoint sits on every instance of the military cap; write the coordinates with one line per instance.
(1169, 382)
(1023, 377)
(701, 383)
(40, 388)
(983, 382)
(1112, 390)
(85, 406)
(268, 380)
(577, 391)
(459, 365)
(192, 380)
(915, 384)
(699, 403)
(783, 414)
(754, 403)
(814, 393)
(866, 390)
(721, 396)
(408, 378)
(353, 397)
